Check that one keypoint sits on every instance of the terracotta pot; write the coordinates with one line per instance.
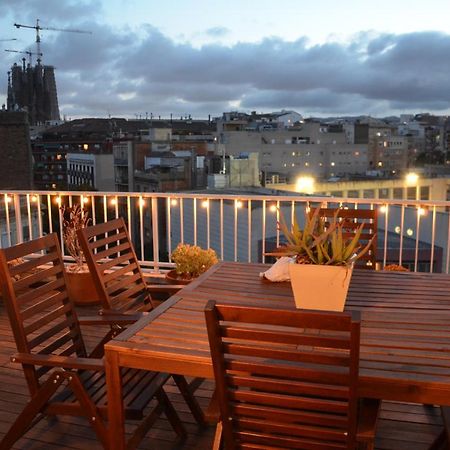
(320, 287)
(173, 278)
(81, 288)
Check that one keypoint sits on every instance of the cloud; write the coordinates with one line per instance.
(132, 71)
(217, 32)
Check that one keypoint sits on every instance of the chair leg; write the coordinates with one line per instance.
(217, 437)
(171, 413)
(35, 406)
(191, 401)
(89, 408)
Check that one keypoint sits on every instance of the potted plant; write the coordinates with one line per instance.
(80, 283)
(323, 260)
(190, 262)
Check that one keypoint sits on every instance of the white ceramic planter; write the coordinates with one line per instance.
(320, 287)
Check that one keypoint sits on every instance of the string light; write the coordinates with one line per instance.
(114, 202)
(58, 200)
(273, 208)
(383, 209)
(34, 198)
(141, 202)
(205, 203)
(239, 204)
(8, 199)
(173, 202)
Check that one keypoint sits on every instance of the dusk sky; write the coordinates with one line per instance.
(203, 57)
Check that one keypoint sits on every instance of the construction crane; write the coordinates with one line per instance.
(25, 53)
(37, 27)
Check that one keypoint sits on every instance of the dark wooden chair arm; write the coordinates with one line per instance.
(171, 288)
(66, 362)
(113, 318)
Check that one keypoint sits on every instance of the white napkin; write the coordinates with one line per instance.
(280, 270)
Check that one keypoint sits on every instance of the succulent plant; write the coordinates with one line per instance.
(320, 243)
(191, 260)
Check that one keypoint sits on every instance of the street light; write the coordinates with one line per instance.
(305, 185)
(412, 179)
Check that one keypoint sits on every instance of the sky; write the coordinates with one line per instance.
(204, 57)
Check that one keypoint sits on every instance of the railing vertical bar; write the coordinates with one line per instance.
(94, 218)
(208, 224)
(181, 221)
(141, 226)
(195, 220)
(50, 218)
(155, 230)
(433, 238)
(292, 213)
(30, 224)
(263, 244)
(402, 226)
(169, 228)
(8, 223)
(221, 228)
(116, 207)
(235, 230)
(105, 209)
(416, 253)
(249, 229)
(277, 212)
(130, 228)
(39, 215)
(70, 200)
(61, 234)
(447, 263)
(18, 216)
(386, 224)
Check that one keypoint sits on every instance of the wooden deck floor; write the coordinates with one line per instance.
(401, 426)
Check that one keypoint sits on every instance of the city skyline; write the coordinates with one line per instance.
(198, 58)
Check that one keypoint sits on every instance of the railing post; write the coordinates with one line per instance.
(18, 215)
(155, 232)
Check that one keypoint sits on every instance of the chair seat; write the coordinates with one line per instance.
(139, 387)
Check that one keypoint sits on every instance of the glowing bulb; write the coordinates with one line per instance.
(174, 202)
(383, 209)
(85, 200)
(397, 229)
(272, 208)
(205, 203)
(34, 198)
(113, 202)
(142, 202)
(305, 185)
(421, 211)
(409, 232)
(58, 200)
(8, 199)
(239, 204)
(412, 179)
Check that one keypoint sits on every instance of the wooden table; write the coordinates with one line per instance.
(405, 332)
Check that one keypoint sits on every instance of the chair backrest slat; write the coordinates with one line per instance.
(42, 317)
(353, 218)
(112, 260)
(285, 379)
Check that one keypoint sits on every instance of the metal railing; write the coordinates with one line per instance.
(239, 228)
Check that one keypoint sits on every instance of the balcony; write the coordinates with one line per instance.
(240, 228)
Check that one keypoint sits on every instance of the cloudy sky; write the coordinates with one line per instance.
(203, 57)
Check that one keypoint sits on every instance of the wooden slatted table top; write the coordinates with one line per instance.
(405, 334)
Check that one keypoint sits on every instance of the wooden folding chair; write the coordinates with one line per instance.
(286, 379)
(352, 219)
(61, 377)
(121, 285)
